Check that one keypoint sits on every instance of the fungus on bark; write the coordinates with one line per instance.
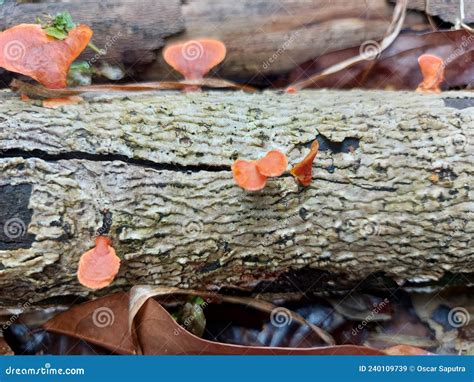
(432, 69)
(274, 163)
(247, 176)
(303, 171)
(28, 49)
(252, 175)
(195, 58)
(98, 266)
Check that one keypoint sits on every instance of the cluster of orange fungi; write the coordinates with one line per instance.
(28, 50)
(252, 175)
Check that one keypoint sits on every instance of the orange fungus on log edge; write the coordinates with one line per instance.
(98, 266)
(28, 50)
(432, 69)
(195, 58)
(303, 171)
(247, 176)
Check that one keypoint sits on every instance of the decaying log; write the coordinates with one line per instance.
(127, 31)
(392, 194)
(447, 10)
(268, 37)
(263, 36)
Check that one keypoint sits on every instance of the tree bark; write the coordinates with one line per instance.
(392, 192)
(446, 10)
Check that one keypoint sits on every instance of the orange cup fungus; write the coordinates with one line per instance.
(98, 266)
(303, 171)
(272, 164)
(195, 58)
(252, 175)
(432, 69)
(28, 50)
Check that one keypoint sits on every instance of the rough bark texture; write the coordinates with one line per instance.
(447, 10)
(392, 194)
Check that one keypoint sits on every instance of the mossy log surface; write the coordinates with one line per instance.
(392, 192)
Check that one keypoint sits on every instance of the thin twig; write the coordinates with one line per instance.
(390, 36)
(460, 21)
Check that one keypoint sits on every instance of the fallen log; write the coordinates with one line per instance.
(263, 37)
(391, 195)
(446, 10)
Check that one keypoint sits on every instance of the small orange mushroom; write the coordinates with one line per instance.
(27, 49)
(195, 58)
(98, 266)
(247, 176)
(405, 350)
(54, 103)
(303, 171)
(432, 68)
(272, 164)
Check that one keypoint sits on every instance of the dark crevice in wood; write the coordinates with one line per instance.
(15, 217)
(78, 155)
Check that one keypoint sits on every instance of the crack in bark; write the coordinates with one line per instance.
(79, 155)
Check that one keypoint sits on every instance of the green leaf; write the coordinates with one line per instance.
(81, 66)
(58, 26)
(56, 33)
(197, 300)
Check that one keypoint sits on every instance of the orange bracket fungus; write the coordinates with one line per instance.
(99, 266)
(252, 175)
(195, 58)
(432, 68)
(53, 103)
(303, 171)
(43, 53)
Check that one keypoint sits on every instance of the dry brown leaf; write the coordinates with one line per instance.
(102, 322)
(105, 322)
(397, 67)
